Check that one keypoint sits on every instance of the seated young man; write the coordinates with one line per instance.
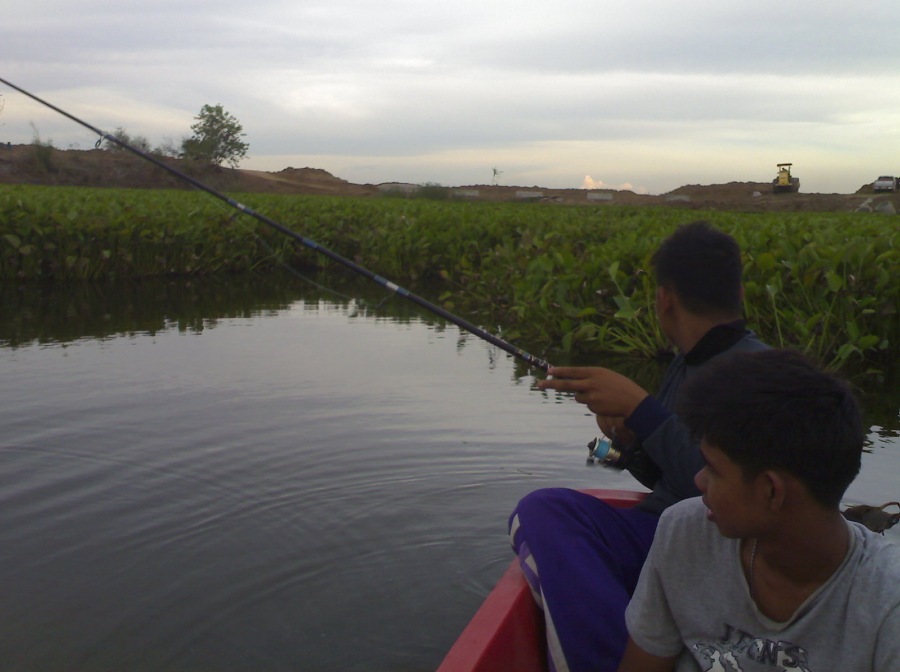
(763, 572)
(582, 557)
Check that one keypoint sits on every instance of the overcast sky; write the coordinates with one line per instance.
(645, 94)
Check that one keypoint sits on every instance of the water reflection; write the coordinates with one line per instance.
(54, 313)
(47, 314)
(254, 473)
(62, 314)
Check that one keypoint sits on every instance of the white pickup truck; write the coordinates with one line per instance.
(885, 183)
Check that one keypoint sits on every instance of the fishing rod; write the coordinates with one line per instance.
(529, 359)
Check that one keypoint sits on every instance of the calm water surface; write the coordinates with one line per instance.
(259, 476)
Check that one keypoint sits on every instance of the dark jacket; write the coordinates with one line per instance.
(661, 434)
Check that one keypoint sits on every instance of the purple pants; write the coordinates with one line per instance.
(582, 558)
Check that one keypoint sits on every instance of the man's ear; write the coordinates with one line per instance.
(665, 299)
(774, 488)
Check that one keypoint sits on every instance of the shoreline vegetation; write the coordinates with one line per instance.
(571, 279)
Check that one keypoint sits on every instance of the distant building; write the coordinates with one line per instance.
(469, 194)
(599, 195)
(398, 188)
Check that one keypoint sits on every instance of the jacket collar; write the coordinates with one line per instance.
(716, 341)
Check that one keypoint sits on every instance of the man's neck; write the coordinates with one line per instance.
(692, 328)
(791, 565)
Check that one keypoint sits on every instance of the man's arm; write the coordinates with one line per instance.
(676, 452)
(638, 660)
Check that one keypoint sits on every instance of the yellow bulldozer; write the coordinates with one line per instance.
(784, 183)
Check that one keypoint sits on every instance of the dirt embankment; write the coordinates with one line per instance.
(30, 164)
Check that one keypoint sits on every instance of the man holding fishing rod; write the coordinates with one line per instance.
(581, 556)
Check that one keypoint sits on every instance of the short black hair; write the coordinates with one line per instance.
(775, 409)
(703, 266)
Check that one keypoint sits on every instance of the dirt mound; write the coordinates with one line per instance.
(31, 164)
(309, 174)
(730, 190)
(759, 197)
(34, 164)
(306, 181)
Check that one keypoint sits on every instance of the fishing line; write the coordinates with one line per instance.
(529, 359)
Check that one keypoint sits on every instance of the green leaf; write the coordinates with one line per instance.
(765, 261)
(867, 342)
(835, 282)
(845, 351)
(626, 310)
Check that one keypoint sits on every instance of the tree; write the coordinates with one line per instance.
(167, 148)
(217, 138)
(120, 134)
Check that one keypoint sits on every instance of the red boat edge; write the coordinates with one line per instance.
(506, 634)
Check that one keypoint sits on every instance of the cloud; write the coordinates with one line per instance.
(645, 93)
(590, 183)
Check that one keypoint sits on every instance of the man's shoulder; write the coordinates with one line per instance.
(876, 575)
(749, 343)
(688, 514)
(881, 553)
(687, 540)
(686, 507)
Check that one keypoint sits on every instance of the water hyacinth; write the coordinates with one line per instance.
(569, 279)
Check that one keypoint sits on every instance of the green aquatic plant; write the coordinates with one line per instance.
(573, 280)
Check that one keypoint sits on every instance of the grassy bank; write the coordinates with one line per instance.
(574, 278)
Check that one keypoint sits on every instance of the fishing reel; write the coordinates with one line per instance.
(632, 458)
(601, 449)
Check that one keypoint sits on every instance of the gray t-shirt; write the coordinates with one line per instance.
(692, 600)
